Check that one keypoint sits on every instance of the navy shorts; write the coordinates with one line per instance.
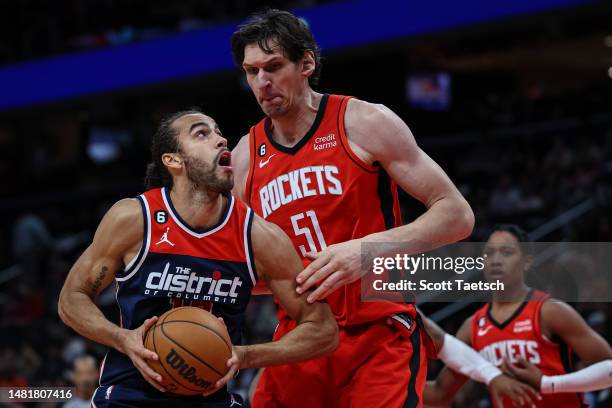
(124, 396)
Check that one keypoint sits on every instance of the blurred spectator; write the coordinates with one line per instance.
(84, 376)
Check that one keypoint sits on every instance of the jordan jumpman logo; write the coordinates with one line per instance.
(164, 238)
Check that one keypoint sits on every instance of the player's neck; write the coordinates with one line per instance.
(289, 129)
(200, 209)
(511, 295)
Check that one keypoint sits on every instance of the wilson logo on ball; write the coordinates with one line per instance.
(185, 370)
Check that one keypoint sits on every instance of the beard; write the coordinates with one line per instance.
(204, 176)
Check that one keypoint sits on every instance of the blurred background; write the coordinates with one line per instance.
(512, 99)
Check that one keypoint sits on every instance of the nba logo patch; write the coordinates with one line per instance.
(108, 392)
(482, 321)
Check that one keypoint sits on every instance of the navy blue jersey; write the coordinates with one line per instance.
(178, 265)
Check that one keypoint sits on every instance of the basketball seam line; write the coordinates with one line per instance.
(229, 348)
(164, 367)
(189, 352)
(169, 312)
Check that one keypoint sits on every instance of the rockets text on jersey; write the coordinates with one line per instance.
(321, 193)
(520, 336)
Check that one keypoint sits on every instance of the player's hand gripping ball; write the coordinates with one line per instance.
(193, 348)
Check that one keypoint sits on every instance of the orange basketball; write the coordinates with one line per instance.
(193, 348)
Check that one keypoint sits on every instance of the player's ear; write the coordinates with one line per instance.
(172, 160)
(308, 63)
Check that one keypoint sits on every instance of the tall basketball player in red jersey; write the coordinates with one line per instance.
(189, 242)
(324, 168)
(524, 325)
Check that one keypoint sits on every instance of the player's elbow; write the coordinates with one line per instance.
(463, 220)
(65, 306)
(62, 307)
(330, 336)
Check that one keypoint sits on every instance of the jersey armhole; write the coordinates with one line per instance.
(344, 139)
(473, 329)
(132, 267)
(537, 317)
(248, 245)
(250, 174)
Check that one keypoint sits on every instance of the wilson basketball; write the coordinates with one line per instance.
(193, 348)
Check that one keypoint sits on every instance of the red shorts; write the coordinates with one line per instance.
(381, 364)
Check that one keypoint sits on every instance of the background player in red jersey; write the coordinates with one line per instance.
(325, 168)
(522, 324)
(194, 164)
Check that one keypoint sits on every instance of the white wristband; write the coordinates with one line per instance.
(461, 358)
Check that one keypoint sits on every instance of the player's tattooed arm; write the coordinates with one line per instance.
(118, 237)
(95, 287)
(119, 232)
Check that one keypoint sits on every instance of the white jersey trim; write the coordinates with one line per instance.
(102, 370)
(247, 244)
(93, 404)
(188, 230)
(146, 242)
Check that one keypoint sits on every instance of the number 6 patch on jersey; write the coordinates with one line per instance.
(161, 217)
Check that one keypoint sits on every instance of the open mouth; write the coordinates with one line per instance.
(225, 159)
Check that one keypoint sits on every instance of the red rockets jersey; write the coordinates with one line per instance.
(321, 193)
(520, 336)
(178, 265)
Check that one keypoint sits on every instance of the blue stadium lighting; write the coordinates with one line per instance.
(196, 53)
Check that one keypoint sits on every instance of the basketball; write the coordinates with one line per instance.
(193, 348)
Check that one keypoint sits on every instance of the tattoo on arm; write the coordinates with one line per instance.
(98, 282)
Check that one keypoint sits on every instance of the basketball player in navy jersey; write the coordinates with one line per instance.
(527, 327)
(211, 249)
